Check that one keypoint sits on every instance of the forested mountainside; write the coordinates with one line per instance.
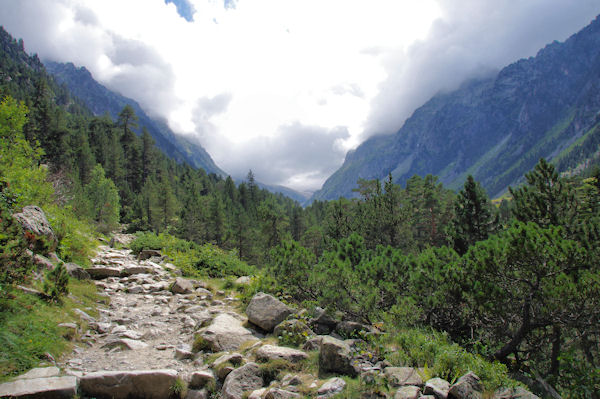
(101, 100)
(414, 271)
(495, 129)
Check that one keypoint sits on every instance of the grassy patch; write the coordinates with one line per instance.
(441, 358)
(29, 327)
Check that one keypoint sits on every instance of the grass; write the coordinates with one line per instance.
(416, 347)
(29, 327)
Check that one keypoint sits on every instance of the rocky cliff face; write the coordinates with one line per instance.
(496, 128)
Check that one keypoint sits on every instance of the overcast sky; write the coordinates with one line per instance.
(286, 87)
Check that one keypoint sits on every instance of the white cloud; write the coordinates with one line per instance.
(260, 82)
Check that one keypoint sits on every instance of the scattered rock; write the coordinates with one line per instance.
(100, 272)
(335, 357)
(350, 328)
(182, 286)
(225, 333)
(40, 388)
(148, 384)
(243, 280)
(514, 393)
(200, 379)
(40, 372)
(69, 330)
(148, 253)
(266, 311)
(84, 315)
(408, 392)
(246, 378)
(467, 387)
(276, 393)
(437, 387)
(331, 387)
(183, 352)
(272, 352)
(257, 394)
(137, 269)
(196, 394)
(34, 220)
(291, 379)
(313, 344)
(42, 262)
(401, 376)
(323, 323)
(77, 271)
(125, 344)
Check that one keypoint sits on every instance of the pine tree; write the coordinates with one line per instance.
(473, 218)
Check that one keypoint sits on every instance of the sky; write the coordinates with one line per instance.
(287, 87)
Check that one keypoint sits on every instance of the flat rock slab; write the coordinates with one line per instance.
(40, 388)
(99, 272)
(272, 352)
(40, 372)
(147, 384)
(402, 376)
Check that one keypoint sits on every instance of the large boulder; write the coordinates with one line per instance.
(272, 352)
(467, 387)
(77, 271)
(514, 393)
(401, 376)
(243, 379)
(148, 384)
(323, 323)
(266, 311)
(40, 388)
(225, 333)
(335, 357)
(34, 221)
(437, 387)
(182, 286)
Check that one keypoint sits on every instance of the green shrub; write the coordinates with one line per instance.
(146, 240)
(56, 283)
(178, 389)
(200, 344)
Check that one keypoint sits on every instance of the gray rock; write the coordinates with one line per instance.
(266, 311)
(200, 379)
(313, 344)
(257, 394)
(437, 387)
(40, 372)
(243, 280)
(136, 289)
(125, 344)
(331, 387)
(196, 394)
(34, 220)
(350, 328)
(69, 330)
(246, 378)
(323, 323)
(408, 392)
(272, 352)
(42, 263)
(137, 269)
(183, 352)
(335, 357)
(84, 315)
(291, 379)
(277, 393)
(100, 272)
(148, 253)
(101, 328)
(40, 388)
(225, 333)
(401, 376)
(514, 393)
(182, 286)
(77, 271)
(467, 387)
(148, 384)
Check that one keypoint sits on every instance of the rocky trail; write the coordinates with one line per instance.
(162, 336)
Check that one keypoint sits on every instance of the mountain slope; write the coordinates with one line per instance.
(496, 128)
(100, 100)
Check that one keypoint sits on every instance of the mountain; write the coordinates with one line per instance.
(100, 100)
(495, 128)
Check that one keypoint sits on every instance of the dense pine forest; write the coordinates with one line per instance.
(515, 281)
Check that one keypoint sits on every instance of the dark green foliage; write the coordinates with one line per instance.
(473, 216)
(15, 263)
(56, 283)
